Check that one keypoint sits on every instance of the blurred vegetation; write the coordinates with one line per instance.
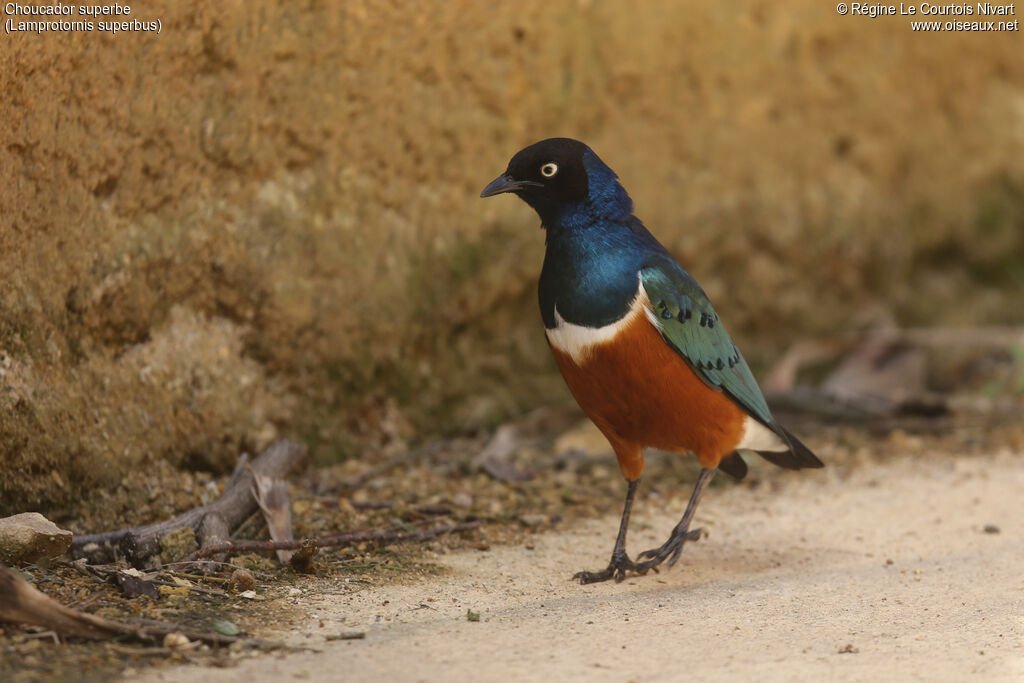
(264, 220)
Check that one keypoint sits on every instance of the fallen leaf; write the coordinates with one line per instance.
(133, 587)
(272, 496)
(225, 627)
(302, 559)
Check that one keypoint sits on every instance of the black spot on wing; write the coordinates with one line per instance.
(704, 356)
(705, 344)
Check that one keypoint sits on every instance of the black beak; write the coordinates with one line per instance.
(506, 183)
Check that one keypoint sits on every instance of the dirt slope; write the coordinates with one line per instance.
(265, 221)
(886, 573)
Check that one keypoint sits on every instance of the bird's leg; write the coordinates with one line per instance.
(681, 533)
(620, 562)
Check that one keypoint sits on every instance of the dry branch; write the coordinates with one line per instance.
(21, 603)
(348, 538)
(213, 530)
(237, 503)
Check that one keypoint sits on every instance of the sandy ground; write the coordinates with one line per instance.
(885, 573)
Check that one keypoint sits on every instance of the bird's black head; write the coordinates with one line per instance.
(550, 171)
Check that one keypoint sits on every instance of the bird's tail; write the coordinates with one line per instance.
(798, 457)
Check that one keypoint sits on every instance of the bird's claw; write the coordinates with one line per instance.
(671, 549)
(616, 569)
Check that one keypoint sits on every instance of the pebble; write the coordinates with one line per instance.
(176, 641)
(241, 580)
(532, 520)
(30, 537)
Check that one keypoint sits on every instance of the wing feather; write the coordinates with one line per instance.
(690, 325)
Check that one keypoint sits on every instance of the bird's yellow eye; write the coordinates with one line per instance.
(549, 169)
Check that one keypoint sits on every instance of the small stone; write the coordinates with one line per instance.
(241, 580)
(991, 529)
(463, 500)
(176, 641)
(30, 537)
(532, 520)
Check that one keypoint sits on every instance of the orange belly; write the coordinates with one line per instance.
(641, 393)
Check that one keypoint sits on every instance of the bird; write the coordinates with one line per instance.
(640, 346)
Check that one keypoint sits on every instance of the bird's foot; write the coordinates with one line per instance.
(669, 550)
(616, 569)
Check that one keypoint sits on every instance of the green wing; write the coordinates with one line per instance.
(690, 325)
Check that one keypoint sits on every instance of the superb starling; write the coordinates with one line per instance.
(636, 339)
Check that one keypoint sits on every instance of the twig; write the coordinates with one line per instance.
(213, 530)
(155, 651)
(195, 589)
(346, 635)
(372, 504)
(349, 538)
(240, 468)
(226, 565)
(197, 577)
(432, 509)
(815, 401)
(82, 604)
(994, 336)
(22, 603)
(50, 633)
(110, 574)
(234, 505)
